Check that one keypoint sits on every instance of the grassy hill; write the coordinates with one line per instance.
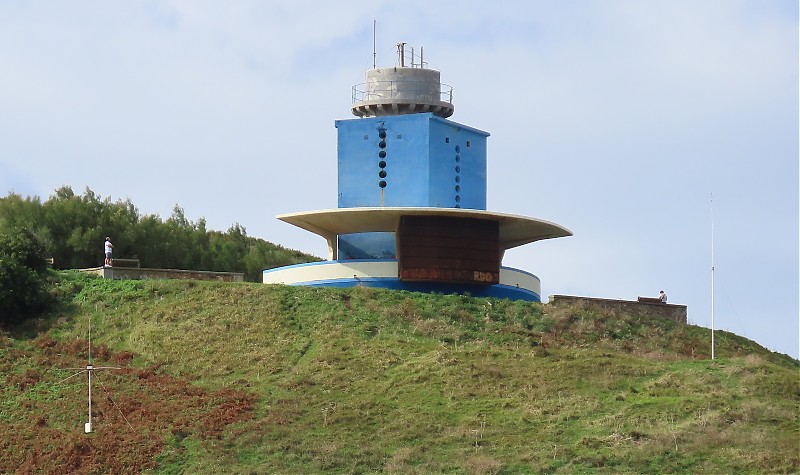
(250, 379)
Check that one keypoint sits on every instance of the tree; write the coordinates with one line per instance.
(72, 229)
(23, 275)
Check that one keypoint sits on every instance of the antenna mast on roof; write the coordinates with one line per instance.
(374, 53)
(401, 52)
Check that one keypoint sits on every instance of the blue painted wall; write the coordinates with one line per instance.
(408, 160)
(457, 164)
(494, 291)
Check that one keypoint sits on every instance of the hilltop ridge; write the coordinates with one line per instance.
(250, 378)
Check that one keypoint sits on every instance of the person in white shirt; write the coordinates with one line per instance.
(662, 296)
(108, 249)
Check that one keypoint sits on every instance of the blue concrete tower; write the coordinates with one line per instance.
(412, 198)
(416, 160)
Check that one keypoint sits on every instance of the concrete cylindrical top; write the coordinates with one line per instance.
(402, 90)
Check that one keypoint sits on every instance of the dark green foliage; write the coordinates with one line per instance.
(23, 269)
(73, 228)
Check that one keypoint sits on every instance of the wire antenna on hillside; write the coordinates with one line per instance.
(89, 369)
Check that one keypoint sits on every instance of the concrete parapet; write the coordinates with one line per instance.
(136, 273)
(401, 90)
(117, 262)
(676, 313)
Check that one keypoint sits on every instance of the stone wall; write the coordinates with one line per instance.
(134, 273)
(673, 312)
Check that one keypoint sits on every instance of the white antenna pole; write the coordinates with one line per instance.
(88, 427)
(374, 53)
(401, 52)
(712, 276)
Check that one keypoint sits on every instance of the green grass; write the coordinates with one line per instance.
(249, 378)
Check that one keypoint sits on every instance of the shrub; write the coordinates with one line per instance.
(23, 271)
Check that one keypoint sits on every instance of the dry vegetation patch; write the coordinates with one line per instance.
(135, 413)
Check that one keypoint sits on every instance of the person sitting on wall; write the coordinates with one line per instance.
(662, 296)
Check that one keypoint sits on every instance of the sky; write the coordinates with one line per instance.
(618, 119)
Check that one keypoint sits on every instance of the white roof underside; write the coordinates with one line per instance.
(514, 230)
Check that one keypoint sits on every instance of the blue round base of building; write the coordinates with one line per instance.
(382, 273)
(495, 291)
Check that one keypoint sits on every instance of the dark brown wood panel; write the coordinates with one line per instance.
(445, 263)
(450, 252)
(449, 276)
(465, 242)
(448, 249)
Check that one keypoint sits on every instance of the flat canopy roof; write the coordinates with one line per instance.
(329, 223)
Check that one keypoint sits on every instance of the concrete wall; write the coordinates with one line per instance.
(135, 273)
(514, 284)
(408, 160)
(357, 270)
(402, 90)
(457, 161)
(672, 312)
(424, 158)
(411, 85)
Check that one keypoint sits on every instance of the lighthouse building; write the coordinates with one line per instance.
(412, 198)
